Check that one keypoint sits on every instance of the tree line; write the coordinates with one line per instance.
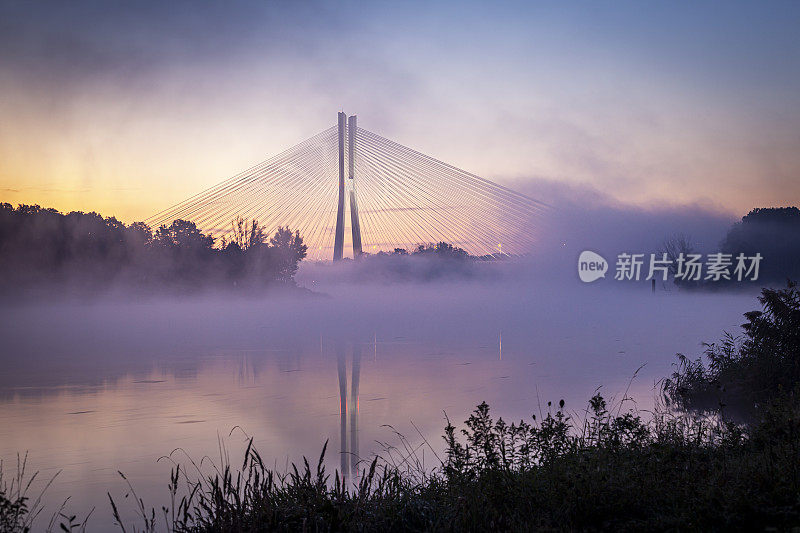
(771, 232)
(41, 246)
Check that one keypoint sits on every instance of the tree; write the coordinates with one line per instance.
(246, 236)
(140, 233)
(443, 250)
(86, 249)
(184, 234)
(675, 247)
(773, 232)
(288, 250)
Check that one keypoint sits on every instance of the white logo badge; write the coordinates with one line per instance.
(591, 266)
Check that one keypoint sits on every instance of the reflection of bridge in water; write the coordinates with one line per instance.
(349, 448)
(404, 198)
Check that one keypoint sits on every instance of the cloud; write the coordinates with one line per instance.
(585, 218)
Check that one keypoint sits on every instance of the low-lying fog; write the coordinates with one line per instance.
(93, 387)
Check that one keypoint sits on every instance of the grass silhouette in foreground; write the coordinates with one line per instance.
(608, 471)
(18, 511)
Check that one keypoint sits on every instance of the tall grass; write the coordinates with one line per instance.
(599, 470)
(18, 512)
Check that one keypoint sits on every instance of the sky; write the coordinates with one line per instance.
(127, 108)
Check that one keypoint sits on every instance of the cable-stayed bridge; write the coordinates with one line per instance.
(396, 197)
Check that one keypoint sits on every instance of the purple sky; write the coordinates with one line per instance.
(126, 109)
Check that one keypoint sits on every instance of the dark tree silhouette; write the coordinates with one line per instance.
(183, 234)
(289, 251)
(675, 247)
(42, 247)
(247, 235)
(774, 233)
(443, 250)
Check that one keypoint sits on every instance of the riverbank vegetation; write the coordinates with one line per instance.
(47, 251)
(608, 471)
(741, 374)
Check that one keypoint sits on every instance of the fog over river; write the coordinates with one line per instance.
(93, 387)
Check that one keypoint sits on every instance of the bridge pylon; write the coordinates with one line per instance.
(348, 129)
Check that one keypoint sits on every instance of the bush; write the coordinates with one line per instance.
(745, 371)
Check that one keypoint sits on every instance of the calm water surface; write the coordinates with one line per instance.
(93, 388)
